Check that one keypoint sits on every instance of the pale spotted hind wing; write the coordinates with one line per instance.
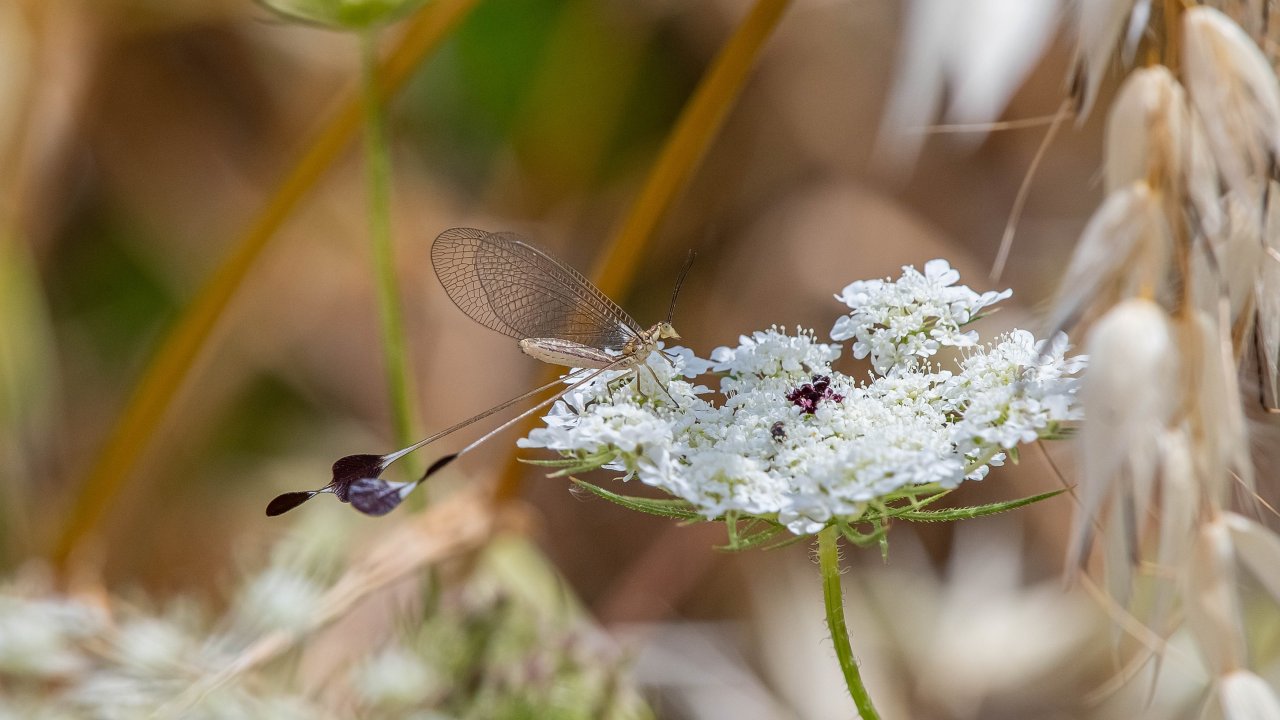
(508, 285)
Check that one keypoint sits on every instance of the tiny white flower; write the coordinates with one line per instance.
(807, 521)
(898, 323)
(772, 352)
(1012, 391)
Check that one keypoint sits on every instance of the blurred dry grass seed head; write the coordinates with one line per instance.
(1179, 265)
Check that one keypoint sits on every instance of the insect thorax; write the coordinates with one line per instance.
(647, 340)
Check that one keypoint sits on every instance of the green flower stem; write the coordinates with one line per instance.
(832, 596)
(378, 188)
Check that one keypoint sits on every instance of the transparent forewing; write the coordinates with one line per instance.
(507, 285)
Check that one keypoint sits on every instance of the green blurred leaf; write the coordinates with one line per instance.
(28, 364)
(103, 288)
(579, 92)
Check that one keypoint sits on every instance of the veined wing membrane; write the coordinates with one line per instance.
(512, 287)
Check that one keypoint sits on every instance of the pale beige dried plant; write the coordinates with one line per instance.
(307, 635)
(1172, 275)
(1175, 283)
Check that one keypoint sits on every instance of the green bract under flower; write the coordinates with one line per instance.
(344, 14)
(794, 441)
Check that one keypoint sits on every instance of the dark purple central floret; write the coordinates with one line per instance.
(808, 395)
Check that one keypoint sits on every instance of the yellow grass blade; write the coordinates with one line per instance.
(685, 147)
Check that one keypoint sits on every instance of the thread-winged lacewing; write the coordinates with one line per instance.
(556, 314)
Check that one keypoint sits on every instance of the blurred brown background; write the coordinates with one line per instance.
(140, 137)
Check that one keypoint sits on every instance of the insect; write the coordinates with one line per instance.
(556, 314)
(778, 431)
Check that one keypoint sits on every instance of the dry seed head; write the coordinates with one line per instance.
(917, 84)
(1202, 186)
(1214, 416)
(1128, 395)
(1235, 92)
(1267, 294)
(1146, 129)
(1212, 606)
(1119, 545)
(1153, 135)
(1099, 24)
(1245, 696)
(997, 45)
(1231, 259)
(1166, 424)
(1122, 253)
(1258, 549)
(1179, 506)
(975, 54)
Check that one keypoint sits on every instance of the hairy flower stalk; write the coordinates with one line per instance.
(793, 445)
(832, 596)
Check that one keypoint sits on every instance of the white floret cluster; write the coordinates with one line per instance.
(899, 323)
(794, 440)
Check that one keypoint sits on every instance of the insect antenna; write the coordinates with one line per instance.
(680, 281)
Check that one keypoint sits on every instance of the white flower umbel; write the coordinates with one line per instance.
(794, 441)
(897, 322)
(1012, 392)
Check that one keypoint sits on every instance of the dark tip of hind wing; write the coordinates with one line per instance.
(288, 501)
(439, 465)
(374, 496)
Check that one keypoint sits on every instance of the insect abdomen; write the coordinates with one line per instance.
(567, 353)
